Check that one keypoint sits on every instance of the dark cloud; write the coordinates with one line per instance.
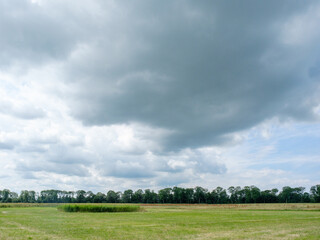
(34, 34)
(128, 171)
(186, 74)
(201, 70)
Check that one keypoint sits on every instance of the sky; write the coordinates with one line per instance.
(101, 95)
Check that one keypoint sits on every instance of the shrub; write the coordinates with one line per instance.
(98, 208)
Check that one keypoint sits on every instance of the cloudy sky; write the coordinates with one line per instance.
(99, 95)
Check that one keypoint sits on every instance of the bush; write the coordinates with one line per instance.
(98, 208)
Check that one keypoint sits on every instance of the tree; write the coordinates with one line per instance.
(220, 194)
(5, 195)
(233, 196)
(127, 196)
(189, 192)
(200, 194)
(177, 194)
(81, 198)
(147, 196)
(255, 194)
(138, 196)
(286, 194)
(25, 196)
(100, 198)
(315, 193)
(89, 197)
(113, 197)
(165, 195)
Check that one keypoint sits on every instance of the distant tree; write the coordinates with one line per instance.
(221, 195)
(315, 193)
(138, 196)
(233, 196)
(178, 194)
(49, 196)
(81, 198)
(32, 196)
(89, 197)
(113, 197)
(306, 197)
(165, 195)
(14, 197)
(189, 195)
(5, 195)
(100, 198)
(25, 196)
(255, 194)
(249, 194)
(200, 194)
(236, 194)
(127, 196)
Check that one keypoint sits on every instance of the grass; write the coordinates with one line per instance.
(98, 208)
(243, 221)
(17, 205)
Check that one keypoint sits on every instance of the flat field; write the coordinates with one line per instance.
(244, 221)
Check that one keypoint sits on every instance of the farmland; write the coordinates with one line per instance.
(243, 221)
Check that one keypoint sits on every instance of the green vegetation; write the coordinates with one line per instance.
(232, 195)
(98, 208)
(166, 221)
(23, 205)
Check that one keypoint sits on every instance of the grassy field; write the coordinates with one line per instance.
(256, 221)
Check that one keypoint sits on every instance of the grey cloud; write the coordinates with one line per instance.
(66, 155)
(44, 140)
(29, 175)
(34, 34)
(31, 149)
(29, 113)
(7, 145)
(54, 158)
(126, 169)
(172, 180)
(24, 111)
(210, 166)
(28, 168)
(201, 70)
(198, 70)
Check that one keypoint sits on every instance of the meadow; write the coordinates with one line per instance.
(241, 221)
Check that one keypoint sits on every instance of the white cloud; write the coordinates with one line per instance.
(99, 95)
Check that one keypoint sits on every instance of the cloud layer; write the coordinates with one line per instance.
(151, 92)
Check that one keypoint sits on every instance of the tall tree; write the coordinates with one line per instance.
(315, 193)
(127, 196)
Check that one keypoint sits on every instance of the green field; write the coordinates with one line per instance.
(255, 221)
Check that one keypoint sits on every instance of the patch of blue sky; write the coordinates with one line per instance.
(302, 145)
(293, 148)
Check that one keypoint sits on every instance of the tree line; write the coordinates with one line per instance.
(219, 195)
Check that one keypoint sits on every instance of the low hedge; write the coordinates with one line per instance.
(98, 208)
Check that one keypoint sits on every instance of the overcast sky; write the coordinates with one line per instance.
(100, 95)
